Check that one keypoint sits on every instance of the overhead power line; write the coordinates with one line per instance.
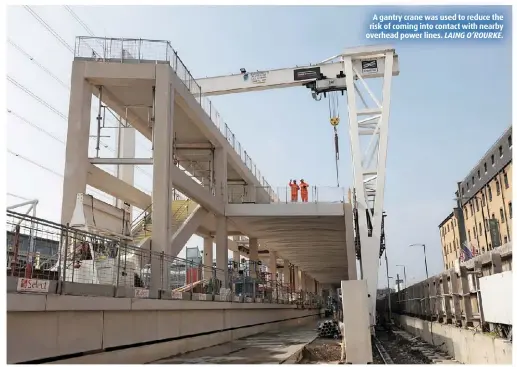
(35, 163)
(26, 54)
(28, 91)
(49, 28)
(36, 126)
(79, 20)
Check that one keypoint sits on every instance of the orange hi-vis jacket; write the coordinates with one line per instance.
(304, 187)
(294, 189)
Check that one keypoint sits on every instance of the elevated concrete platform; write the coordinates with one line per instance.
(317, 237)
(273, 347)
(99, 330)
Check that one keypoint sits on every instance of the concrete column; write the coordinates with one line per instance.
(272, 265)
(236, 255)
(221, 250)
(126, 143)
(287, 273)
(221, 173)
(162, 190)
(301, 285)
(253, 245)
(76, 158)
(208, 257)
(296, 280)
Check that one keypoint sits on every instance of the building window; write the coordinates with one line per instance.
(484, 164)
(462, 191)
(489, 193)
(510, 209)
(487, 227)
(489, 246)
(466, 214)
(473, 181)
(480, 229)
(500, 151)
(468, 187)
(497, 188)
(477, 204)
(501, 213)
(505, 179)
(471, 208)
(483, 199)
(483, 250)
(505, 239)
(492, 159)
(469, 234)
(479, 175)
(475, 232)
(509, 141)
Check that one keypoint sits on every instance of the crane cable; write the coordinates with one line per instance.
(334, 121)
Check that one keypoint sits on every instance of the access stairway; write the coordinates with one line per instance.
(142, 227)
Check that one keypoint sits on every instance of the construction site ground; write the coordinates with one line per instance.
(274, 347)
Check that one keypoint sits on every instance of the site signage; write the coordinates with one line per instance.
(33, 285)
(177, 295)
(258, 77)
(141, 293)
(307, 73)
(369, 66)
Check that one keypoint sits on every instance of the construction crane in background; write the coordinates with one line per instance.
(347, 72)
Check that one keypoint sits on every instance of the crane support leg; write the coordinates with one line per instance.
(369, 177)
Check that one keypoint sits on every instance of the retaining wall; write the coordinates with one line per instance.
(465, 345)
(75, 329)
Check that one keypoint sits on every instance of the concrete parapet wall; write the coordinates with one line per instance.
(50, 326)
(464, 345)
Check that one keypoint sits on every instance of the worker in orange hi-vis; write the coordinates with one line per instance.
(304, 191)
(294, 190)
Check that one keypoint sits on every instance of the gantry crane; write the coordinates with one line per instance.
(344, 72)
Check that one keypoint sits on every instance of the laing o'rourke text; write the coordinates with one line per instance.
(459, 26)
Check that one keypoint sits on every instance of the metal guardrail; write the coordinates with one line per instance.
(128, 50)
(238, 194)
(71, 261)
(450, 297)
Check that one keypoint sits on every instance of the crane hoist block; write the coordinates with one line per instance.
(334, 121)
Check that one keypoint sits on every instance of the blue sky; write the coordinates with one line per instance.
(449, 104)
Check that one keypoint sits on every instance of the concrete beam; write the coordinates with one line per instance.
(122, 161)
(288, 210)
(108, 183)
(203, 145)
(186, 230)
(195, 191)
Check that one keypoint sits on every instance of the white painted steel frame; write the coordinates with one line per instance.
(369, 180)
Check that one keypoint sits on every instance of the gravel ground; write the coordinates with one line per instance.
(322, 351)
(399, 349)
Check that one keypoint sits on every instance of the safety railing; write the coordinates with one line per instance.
(243, 194)
(125, 50)
(69, 261)
(455, 296)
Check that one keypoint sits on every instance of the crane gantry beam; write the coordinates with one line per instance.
(354, 68)
(365, 61)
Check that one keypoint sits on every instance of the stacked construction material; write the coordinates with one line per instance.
(329, 329)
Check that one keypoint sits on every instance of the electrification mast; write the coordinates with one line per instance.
(350, 73)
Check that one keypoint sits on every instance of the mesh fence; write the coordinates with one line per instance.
(40, 252)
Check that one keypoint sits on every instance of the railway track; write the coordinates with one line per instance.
(386, 359)
(392, 345)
